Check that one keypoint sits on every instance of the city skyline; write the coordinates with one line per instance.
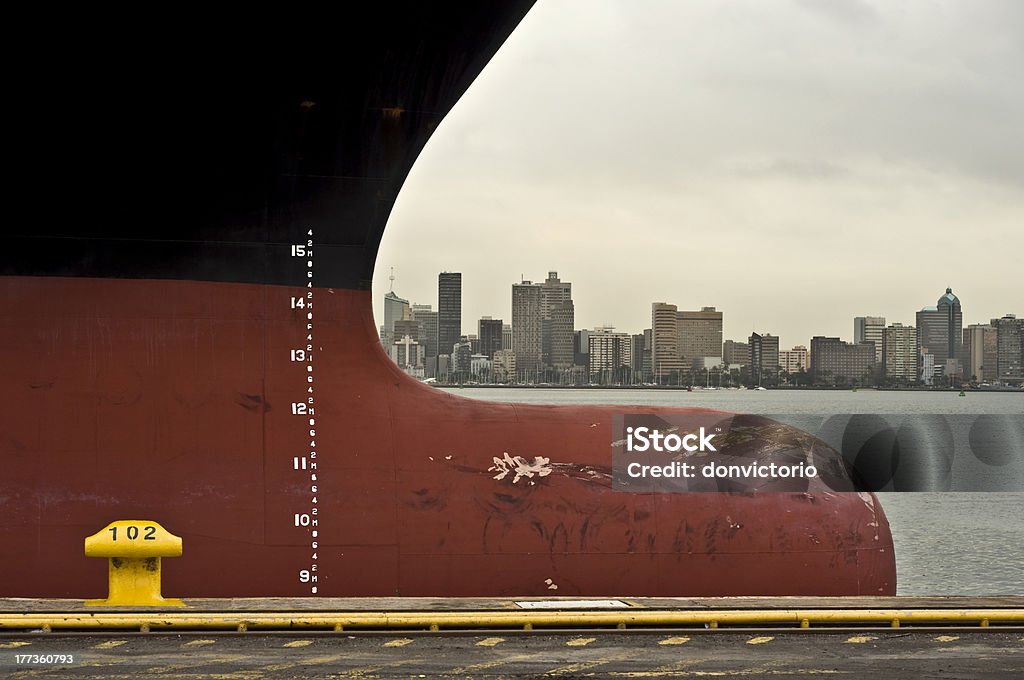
(737, 332)
(824, 154)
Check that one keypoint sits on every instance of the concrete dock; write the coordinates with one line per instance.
(434, 637)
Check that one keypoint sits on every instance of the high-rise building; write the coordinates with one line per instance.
(581, 347)
(462, 355)
(406, 352)
(395, 309)
(503, 368)
(793, 360)
(981, 351)
(637, 361)
(490, 336)
(506, 336)
(940, 330)
(665, 355)
(404, 327)
(648, 372)
(735, 353)
(527, 341)
(835, 362)
(1010, 349)
(609, 353)
(764, 356)
(869, 329)
(899, 354)
(449, 310)
(563, 318)
(700, 333)
(554, 294)
(426, 318)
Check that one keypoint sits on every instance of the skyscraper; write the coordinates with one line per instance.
(610, 353)
(1010, 349)
(899, 354)
(764, 356)
(869, 329)
(426, 318)
(526, 326)
(836, 362)
(490, 336)
(395, 309)
(700, 333)
(553, 294)
(563, 318)
(940, 330)
(449, 311)
(982, 352)
(665, 355)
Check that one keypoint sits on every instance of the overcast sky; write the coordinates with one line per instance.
(795, 163)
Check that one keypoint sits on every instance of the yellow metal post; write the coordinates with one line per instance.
(134, 548)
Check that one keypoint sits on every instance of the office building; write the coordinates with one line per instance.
(870, 329)
(899, 354)
(764, 356)
(980, 351)
(610, 352)
(1010, 349)
(736, 353)
(449, 310)
(700, 333)
(940, 330)
(490, 331)
(834, 362)
(527, 340)
(426, 318)
(665, 355)
(793, 360)
(395, 309)
(563, 318)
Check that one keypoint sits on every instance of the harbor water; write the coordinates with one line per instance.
(946, 543)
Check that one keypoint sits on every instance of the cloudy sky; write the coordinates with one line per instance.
(795, 163)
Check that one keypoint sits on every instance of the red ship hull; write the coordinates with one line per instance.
(170, 400)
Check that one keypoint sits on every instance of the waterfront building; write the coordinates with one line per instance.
(449, 310)
(736, 353)
(833, 361)
(503, 367)
(940, 330)
(870, 329)
(764, 356)
(1010, 349)
(793, 360)
(479, 365)
(609, 352)
(404, 327)
(581, 348)
(665, 354)
(461, 358)
(395, 309)
(899, 354)
(406, 352)
(563, 318)
(490, 331)
(426, 318)
(700, 333)
(981, 353)
(527, 340)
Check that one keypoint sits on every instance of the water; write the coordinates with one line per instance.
(946, 543)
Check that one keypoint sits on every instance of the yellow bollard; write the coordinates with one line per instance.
(134, 548)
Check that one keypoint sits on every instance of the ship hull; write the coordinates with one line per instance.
(169, 400)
